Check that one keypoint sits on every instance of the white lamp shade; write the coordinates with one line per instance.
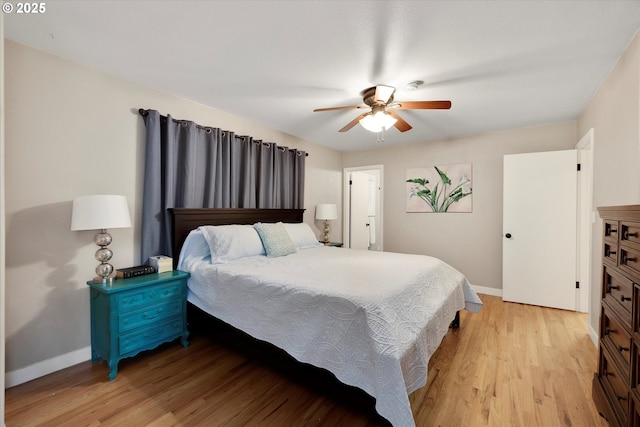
(99, 212)
(377, 122)
(326, 211)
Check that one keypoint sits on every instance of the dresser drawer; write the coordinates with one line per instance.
(615, 386)
(134, 319)
(635, 413)
(610, 252)
(145, 297)
(617, 339)
(617, 291)
(630, 233)
(610, 230)
(629, 261)
(635, 373)
(145, 339)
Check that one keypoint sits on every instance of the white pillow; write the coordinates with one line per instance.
(275, 239)
(194, 249)
(302, 235)
(232, 242)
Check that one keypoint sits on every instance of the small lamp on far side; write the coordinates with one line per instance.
(99, 212)
(326, 212)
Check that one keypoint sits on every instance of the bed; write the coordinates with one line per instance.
(372, 319)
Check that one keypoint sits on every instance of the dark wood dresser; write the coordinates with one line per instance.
(616, 384)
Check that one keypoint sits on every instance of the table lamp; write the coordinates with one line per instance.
(326, 212)
(99, 212)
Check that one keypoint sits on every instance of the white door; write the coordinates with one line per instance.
(539, 229)
(359, 211)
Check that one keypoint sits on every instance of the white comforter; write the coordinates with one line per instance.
(373, 319)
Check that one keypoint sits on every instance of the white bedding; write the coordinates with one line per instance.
(373, 319)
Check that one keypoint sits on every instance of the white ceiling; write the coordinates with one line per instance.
(503, 64)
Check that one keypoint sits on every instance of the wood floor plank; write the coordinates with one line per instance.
(510, 364)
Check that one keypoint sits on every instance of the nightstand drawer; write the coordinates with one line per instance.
(147, 296)
(135, 319)
(147, 337)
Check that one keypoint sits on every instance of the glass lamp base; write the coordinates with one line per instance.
(105, 280)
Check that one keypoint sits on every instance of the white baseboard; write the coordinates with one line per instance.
(593, 334)
(46, 367)
(487, 291)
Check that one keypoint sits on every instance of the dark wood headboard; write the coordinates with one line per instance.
(186, 219)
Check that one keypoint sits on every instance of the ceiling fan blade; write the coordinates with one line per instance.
(424, 105)
(350, 107)
(352, 123)
(383, 93)
(400, 124)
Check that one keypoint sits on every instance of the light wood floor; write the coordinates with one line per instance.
(509, 365)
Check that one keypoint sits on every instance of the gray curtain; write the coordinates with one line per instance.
(192, 166)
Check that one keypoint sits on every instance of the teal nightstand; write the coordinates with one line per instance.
(137, 314)
(335, 244)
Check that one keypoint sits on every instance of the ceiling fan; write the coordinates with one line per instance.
(379, 99)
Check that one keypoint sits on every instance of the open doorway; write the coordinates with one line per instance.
(362, 228)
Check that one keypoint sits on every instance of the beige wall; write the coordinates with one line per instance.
(471, 242)
(614, 115)
(72, 130)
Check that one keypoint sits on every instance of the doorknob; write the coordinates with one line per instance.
(508, 235)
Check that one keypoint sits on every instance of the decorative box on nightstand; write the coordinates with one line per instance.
(137, 314)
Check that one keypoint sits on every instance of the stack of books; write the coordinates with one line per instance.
(161, 263)
(138, 270)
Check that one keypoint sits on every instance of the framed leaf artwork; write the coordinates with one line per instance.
(445, 188)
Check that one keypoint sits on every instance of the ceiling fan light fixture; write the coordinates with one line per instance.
(383, 93)
(377, 122)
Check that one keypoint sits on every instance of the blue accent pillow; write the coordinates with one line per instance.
(275, 239)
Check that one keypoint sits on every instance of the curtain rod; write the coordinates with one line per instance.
(144, 112)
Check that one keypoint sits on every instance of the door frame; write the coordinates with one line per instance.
(586, 219)
(346, 214)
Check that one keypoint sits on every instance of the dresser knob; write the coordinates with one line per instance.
(623, 298)
(621, 348)
(607, 331)
(612, 288)
(622, 397)
(626, 259)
